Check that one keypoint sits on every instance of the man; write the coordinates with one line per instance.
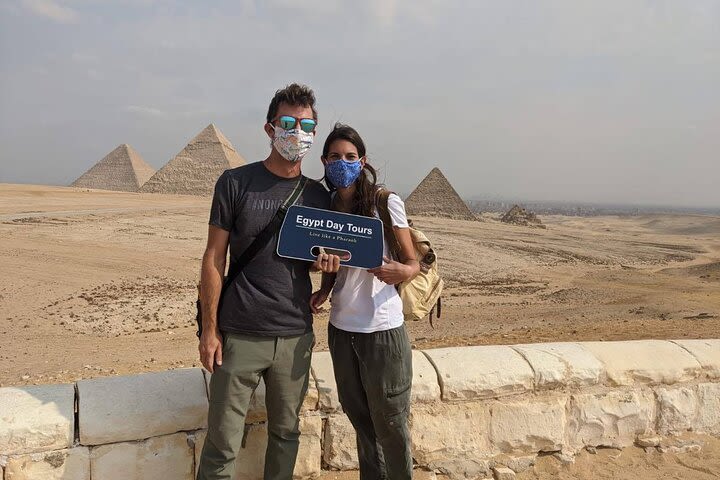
(263, 328)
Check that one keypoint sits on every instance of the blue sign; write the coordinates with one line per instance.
(357, 240)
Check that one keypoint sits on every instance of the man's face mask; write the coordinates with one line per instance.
(292, 140)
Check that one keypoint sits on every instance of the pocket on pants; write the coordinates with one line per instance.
(396, 389)
(397, 400)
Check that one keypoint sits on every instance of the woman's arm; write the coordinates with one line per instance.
(393, 272)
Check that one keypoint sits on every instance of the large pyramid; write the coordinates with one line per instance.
(434, 196)
(197, 167)
(123, 170)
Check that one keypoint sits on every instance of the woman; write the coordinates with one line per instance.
(369, 346)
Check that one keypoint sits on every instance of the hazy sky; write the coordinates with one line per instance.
(602, 101)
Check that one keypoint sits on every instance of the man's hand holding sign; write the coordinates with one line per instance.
(326, 263)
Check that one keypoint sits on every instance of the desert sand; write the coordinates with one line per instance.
(631, 463)
(99, 283)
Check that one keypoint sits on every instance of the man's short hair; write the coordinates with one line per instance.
(295, 95)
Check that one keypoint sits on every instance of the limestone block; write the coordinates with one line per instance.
(309, 459)
(250, 461)
(645, 361)
(470, 373)
(709, 408)
(324, 375)
(707, 352)
(463, 468)
(446, 432)
(562, 364)
(256, 410)
(340, 447)
(72, 464)
(677, 409)
(425, 386)
(566, 458)
(528, 426)
(424, 475)
(503, 473)
(36, 418)
(648, 441)
(611, 419)
(168, 456)
(134, 407)
(520, 464)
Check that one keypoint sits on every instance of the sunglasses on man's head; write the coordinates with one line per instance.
(288, 123)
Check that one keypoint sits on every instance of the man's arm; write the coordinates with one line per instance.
(328, 281)
(211, 280)
(319, 297)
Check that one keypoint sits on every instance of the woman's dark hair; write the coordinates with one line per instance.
(366, 183)
(295, 95)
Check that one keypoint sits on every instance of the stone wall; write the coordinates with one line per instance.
(475, 409)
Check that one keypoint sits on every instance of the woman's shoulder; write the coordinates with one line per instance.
(394, 199)
(385, 190)
(395, 207)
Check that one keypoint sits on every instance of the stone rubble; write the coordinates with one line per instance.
(503, 473)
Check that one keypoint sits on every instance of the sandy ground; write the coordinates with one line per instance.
(102, 283)
(98, 283)
(631, 463)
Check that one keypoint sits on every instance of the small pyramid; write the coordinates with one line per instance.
(122, 170)
(434, 196)
(197, 167)
(519, 216)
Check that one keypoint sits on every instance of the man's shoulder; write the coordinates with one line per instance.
(236, 179)
(315, 186)
(318, 193)
(242, 170)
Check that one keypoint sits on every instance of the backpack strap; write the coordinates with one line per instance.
(267, 233)
(381, 203)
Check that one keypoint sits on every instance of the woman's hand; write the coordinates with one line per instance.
(317, 299)
(392, 272)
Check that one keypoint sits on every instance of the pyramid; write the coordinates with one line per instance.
(197, 167)
(519, 216)
(123, 170)
(434, 196)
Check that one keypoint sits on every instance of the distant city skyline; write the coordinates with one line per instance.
(610, 102)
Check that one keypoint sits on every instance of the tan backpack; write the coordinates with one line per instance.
(421, 294)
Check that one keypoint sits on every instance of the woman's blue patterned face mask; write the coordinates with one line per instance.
(343, 173)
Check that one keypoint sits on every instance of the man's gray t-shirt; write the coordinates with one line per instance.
(270, 296)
